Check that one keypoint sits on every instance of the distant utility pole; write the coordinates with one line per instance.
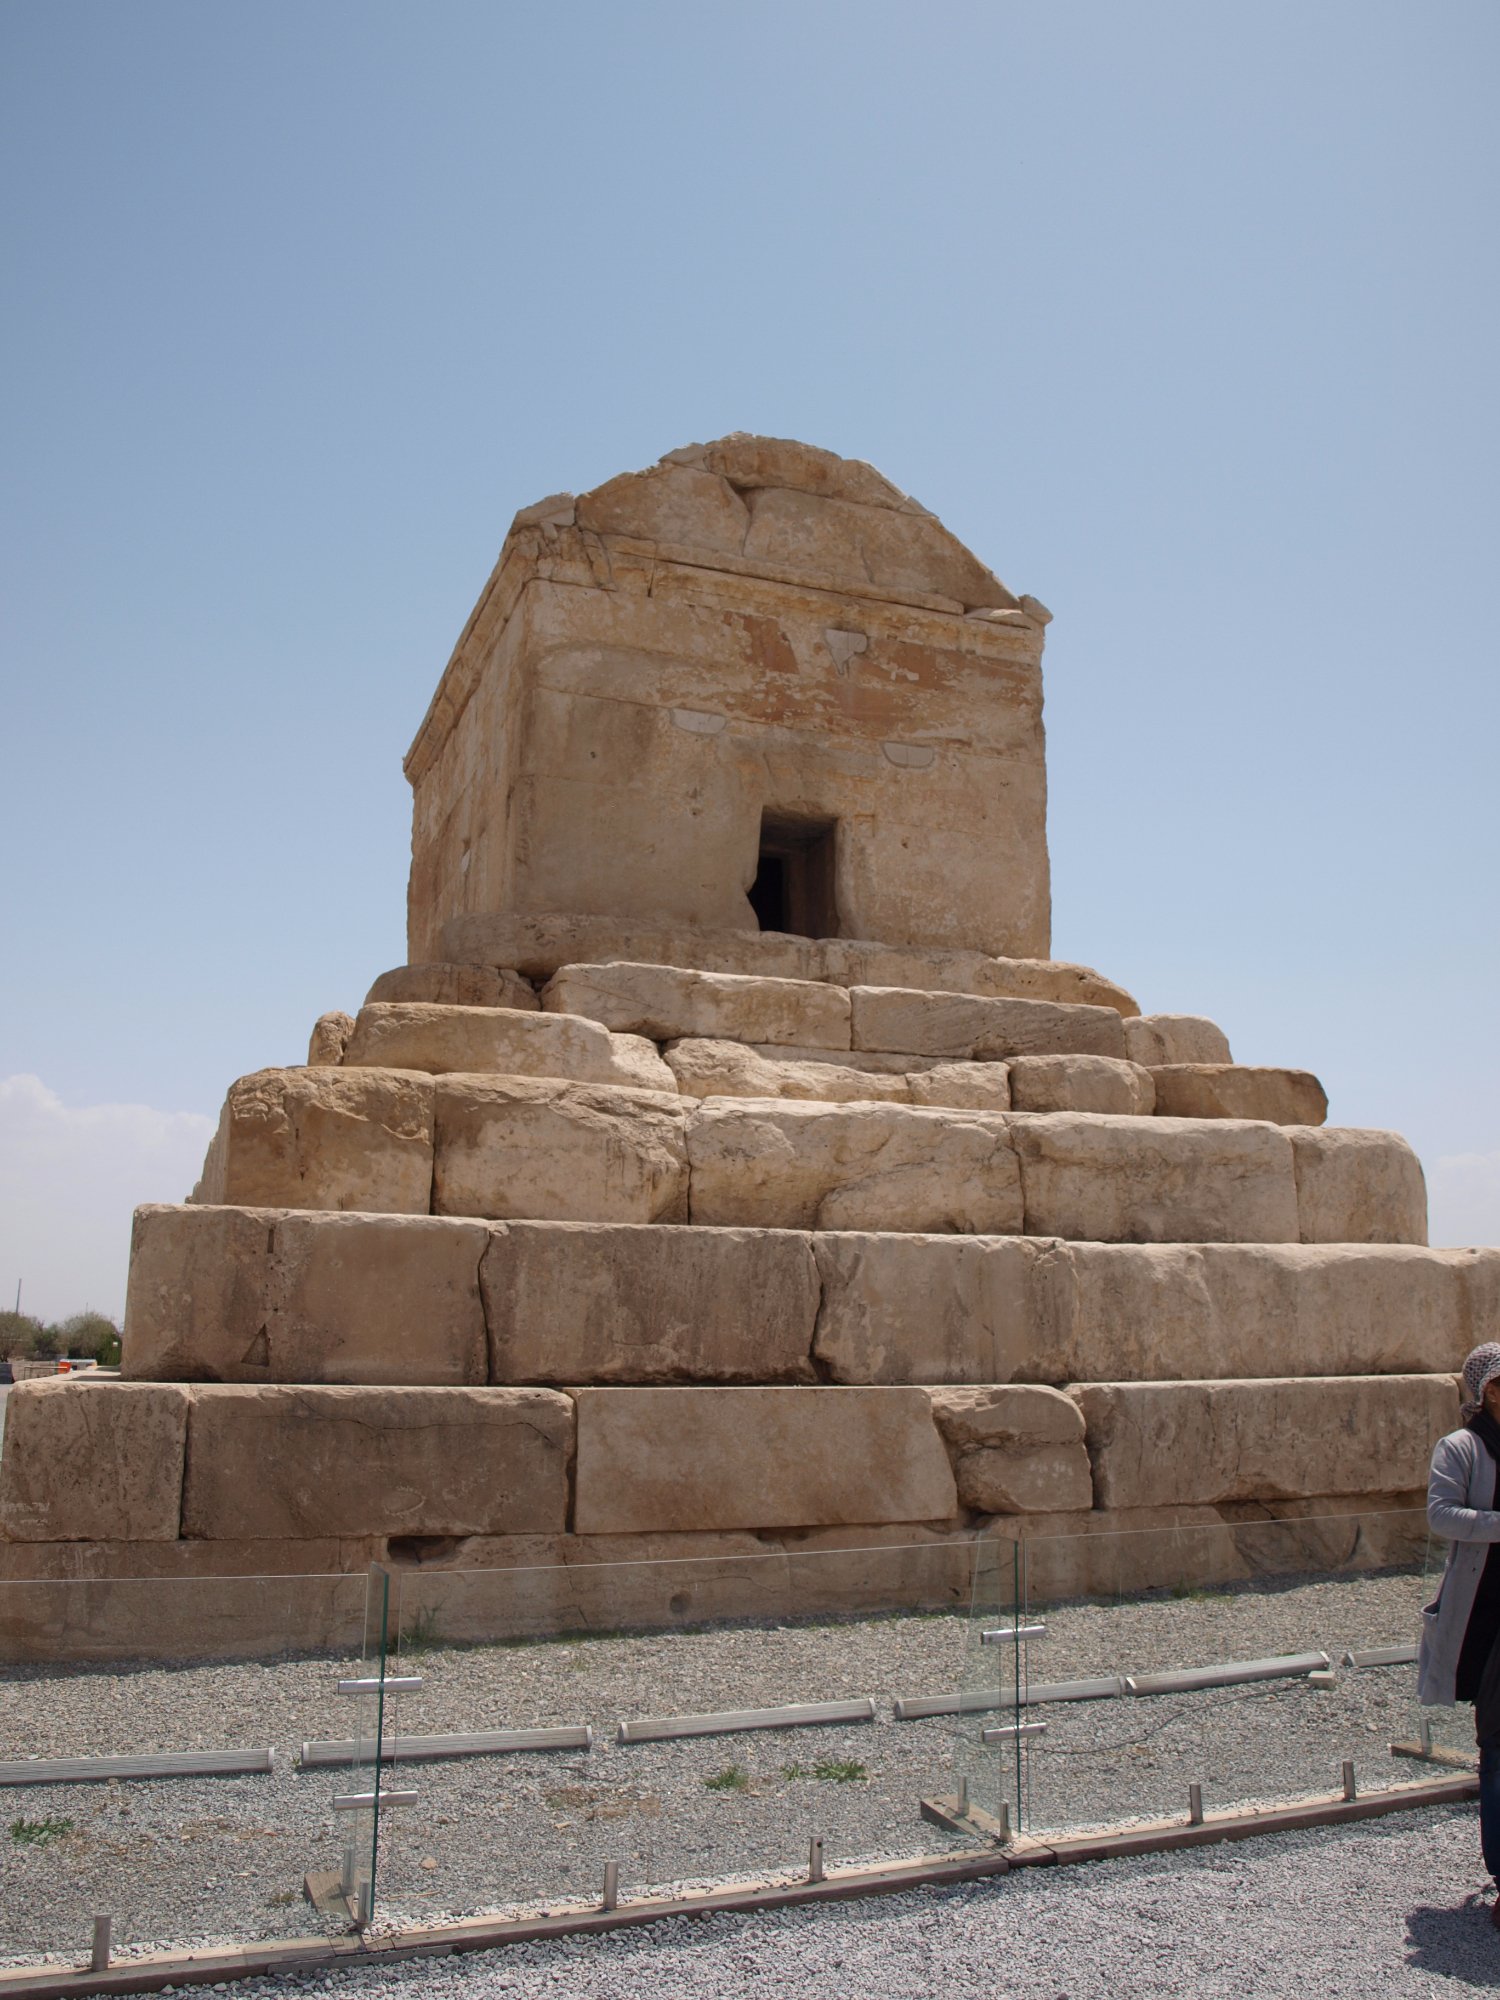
(18, 1297)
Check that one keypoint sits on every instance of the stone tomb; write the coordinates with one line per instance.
(731, 1170)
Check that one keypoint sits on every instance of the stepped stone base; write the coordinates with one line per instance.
(118, 1600)
(273, 1295)
(286, 1462)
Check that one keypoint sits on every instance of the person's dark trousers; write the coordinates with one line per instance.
(1489, 1808)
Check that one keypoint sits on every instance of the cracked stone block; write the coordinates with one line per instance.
(1082, 1083)
(502, 1041)
(323, 1138)
(93, 1461)
(529, 1148)
(1236, 1090)
(1155, 1040)
(1015, 1450)
(1358, 1187)
(668, 1002)
(449, 985)
(571, 1302)
(281, 1463)
(658, 1459)
(1216, 1442)
(962, 1026)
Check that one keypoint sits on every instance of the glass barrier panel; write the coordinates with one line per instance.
(1240, 1658)
(987, 1746)
(686, 1721)
(207, 1688)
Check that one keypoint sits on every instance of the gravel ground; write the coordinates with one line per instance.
(194, 1861)
(1366, 1912)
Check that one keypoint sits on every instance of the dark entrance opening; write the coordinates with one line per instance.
(793, 886)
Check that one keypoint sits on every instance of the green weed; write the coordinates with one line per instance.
(733, 1778)
(39, 1832)
(840, 1770)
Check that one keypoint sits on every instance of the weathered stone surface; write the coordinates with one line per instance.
(1155, 1040)
(1478, 1274)
(748, 461)
(1358, 1187)
(448, 985)
(326, 1044)
(373, 1299)
(1187, 1311)
(86, 1461)
(920, 1308)
(1155, 1180)
(1234, 1090)
(271, 1295)
(531, 1148)
(730, 1069)
(851, 962)
(872, 1061)
(1157, 1442)
(502, 1041)
(678, 504)
(867, 1166)
(568, 1303)
(539, 943)
(958, 1025)
(961, 1086)
(666, 1002)
(842, 545)
(1082, 1083)
(278, 1462)
(196, 1301)
(625, 711)
(323, 1138)
(654, 1459)
(1015, 1450)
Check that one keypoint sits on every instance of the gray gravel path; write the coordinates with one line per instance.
(222, 1860)
(1377, 1911)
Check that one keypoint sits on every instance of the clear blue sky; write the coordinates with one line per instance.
(1183, 316)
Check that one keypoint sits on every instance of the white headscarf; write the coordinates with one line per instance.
(1482, 1366)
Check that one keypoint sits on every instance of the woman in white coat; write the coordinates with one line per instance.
(1460, 1627)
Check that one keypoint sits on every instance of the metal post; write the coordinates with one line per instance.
(103, 1930)
(1349, 1791)
(1426, 1737)
(611, 1886)
(815, 1859)
(963, 1798)
(1195, 1805)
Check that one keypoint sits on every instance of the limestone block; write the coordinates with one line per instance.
(1155, 1040)
(730, 1069)
(326, 1044)
(962, 1086)
(532, 1148)
(657, 1459)
(566, 1302)
(1081, 1083)
(842, 545)
(538, 943)
(1235, 1090)
(1188, 1311)
(195, 1306)
(748, 461)
(323, 1138)
(541, 943)
(960, 1025)
(1478, 1274)
(678, 504)
(1358, 1186)
(871, 1061)
(863, 1166)
(1155, 1180)
(920, 1308)
(280, 1462)
(89, 1461)
(456, 986)
(502, 1041)
(1152, 1443)
(853, 962)
(668, 1002)
(1015, 1450)
(374, 1299)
